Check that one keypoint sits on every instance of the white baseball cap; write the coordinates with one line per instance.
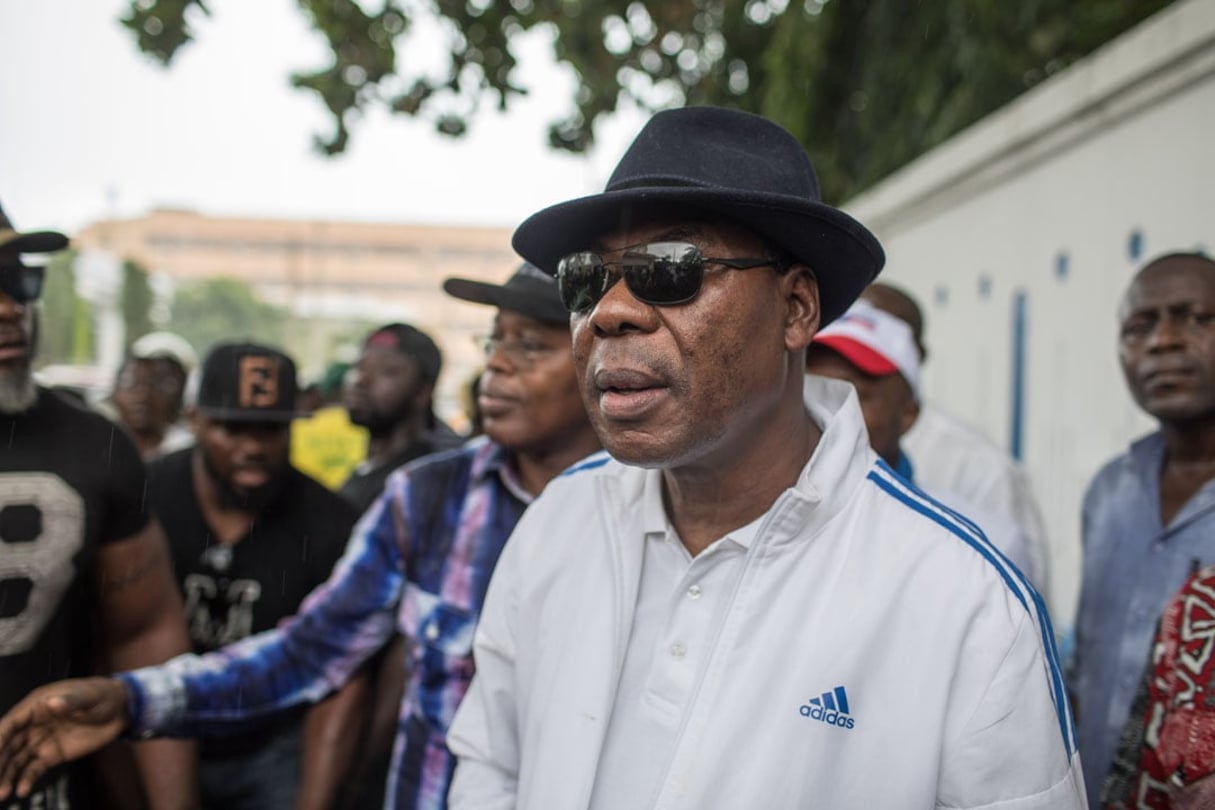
(167, 346)
(874, 341)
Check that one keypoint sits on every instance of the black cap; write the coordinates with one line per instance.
(410, 342)
(530, 291)
(30, 242)
(245, 382)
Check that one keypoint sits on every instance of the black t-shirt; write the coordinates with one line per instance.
(70, 482)
(235, 591)
(366, 484)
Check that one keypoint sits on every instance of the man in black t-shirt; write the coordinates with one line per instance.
(390, 392)
(251, 536)
(84, 574)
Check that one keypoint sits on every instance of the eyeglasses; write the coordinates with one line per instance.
(521, 353)
(21, 283)
(660, 273)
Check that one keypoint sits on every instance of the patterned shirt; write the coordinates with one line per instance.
(1132, 567)
(1169, 740)
(419, 562)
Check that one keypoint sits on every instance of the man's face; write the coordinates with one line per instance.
(17, 343)
(246, 460)
(528, 395)
(1167, 340)
(887, 403)
(147, 394)
(384, 388)
(667, 386)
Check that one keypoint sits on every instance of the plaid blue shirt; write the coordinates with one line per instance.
(419, 562)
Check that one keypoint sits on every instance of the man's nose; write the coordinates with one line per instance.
(619, 311)
(1167, 333)
(10, 308)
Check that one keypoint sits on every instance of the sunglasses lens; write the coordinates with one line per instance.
(23, 284)
(580, 279)
(665, 273)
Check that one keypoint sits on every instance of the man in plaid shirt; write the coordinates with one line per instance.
(418, 563)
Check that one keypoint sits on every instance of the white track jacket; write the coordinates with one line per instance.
(877, 653)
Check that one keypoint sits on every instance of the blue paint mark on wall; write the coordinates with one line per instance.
(1062, 266)
(1016, 428)
(1134, 245)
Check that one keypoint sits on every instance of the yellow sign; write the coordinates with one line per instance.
(327, 446)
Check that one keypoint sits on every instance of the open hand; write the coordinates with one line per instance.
(57, 723)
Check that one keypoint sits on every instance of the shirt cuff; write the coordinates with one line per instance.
(156, 701)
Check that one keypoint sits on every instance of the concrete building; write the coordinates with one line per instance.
(1020, 235)
(326, 274)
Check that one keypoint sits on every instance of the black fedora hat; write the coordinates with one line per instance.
(530, 291)
(720, 162)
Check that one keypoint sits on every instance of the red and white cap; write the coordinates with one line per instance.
(874, 341)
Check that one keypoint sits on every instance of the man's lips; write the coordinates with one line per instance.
(493, 403)
(1167, 376)
(13, 350)
(251, 477)
(626, 394)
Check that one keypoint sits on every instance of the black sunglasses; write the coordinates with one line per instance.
(20, 282)
(660, 273)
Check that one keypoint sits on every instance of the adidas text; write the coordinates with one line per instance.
(830, 708)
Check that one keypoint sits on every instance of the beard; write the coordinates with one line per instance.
(379, 423)
(251, 500)
(18, 392)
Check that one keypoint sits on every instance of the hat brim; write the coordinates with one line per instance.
(843, 254)
(866, 358)
(33, 242)
(246, 415)
(535, 301)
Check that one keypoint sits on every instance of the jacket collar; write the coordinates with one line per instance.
(836, 469)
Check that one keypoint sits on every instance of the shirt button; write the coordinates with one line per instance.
(694, 592)
(678, 650)
(432, 631)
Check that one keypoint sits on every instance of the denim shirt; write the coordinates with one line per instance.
(1133, 565)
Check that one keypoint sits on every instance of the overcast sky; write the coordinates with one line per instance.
(91, 128)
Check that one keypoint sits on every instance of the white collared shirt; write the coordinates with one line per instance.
(680, 605)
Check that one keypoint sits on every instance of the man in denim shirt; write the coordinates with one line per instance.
(1149, 515)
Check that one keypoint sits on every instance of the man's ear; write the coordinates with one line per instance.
(425, 396)
(911, 412)
(802, 312)
(194, 420)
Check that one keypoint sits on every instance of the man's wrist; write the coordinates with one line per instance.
(134, 702)
(155, 702)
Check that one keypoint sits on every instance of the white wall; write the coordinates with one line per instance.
(1120, 144)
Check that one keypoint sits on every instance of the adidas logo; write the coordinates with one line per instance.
(830, 708)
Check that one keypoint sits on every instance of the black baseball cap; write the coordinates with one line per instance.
(14, 241)
(245, 382)
(530, 291)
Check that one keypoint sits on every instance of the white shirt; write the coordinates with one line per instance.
(953, 459)
(872, 652)
(679, 605)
